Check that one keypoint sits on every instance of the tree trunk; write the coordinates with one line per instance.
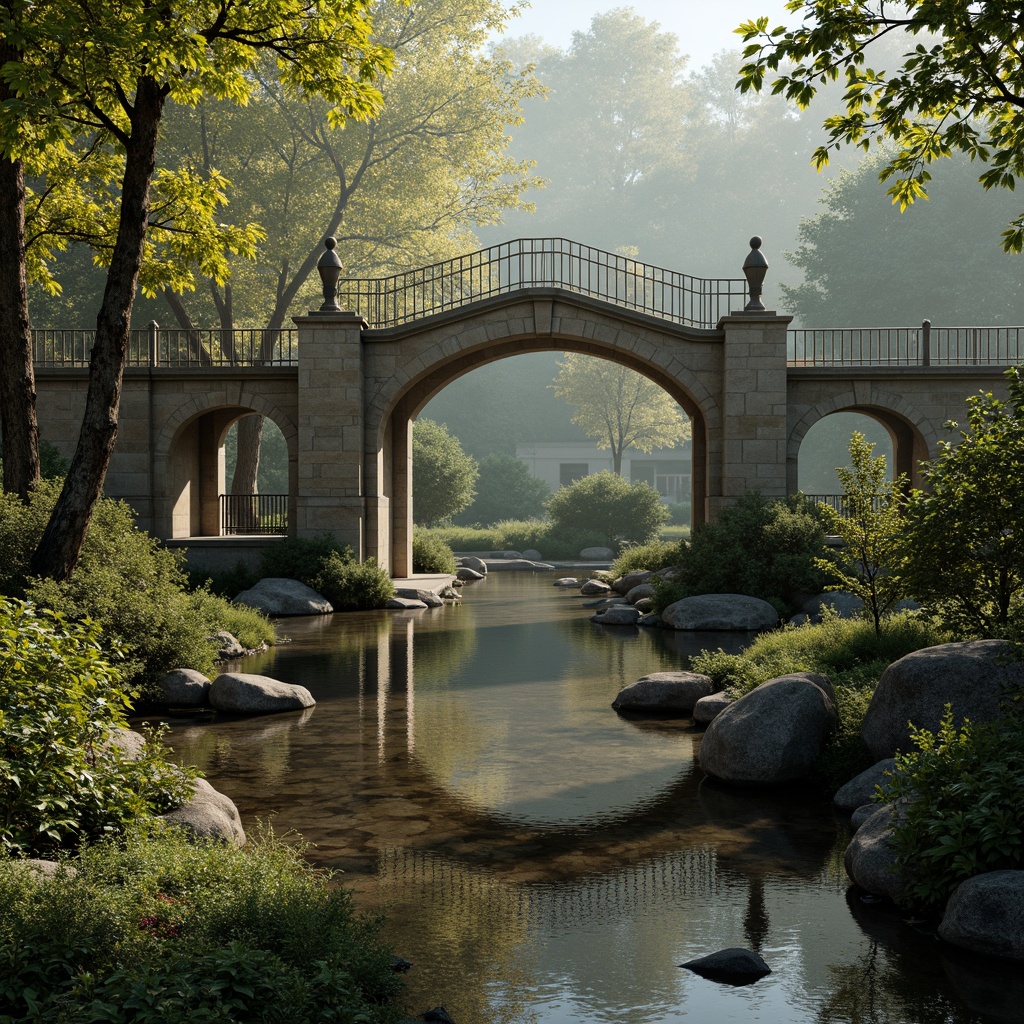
(247, 466)
(196, 351)
(65, 533)
(17, 377)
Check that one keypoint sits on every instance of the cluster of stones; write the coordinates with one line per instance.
(775, 734)
(279, 597)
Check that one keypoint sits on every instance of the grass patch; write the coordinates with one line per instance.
(159, 929)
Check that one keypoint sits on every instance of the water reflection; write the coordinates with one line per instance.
(540, 858)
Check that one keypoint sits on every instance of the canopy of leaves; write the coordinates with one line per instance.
(958, 87)
(443, 475)
(965, 533)
(618, 407)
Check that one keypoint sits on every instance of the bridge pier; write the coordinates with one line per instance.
(754, 428)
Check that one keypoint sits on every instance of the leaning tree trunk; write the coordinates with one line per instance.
(17, 377)
(247, 467)
(65, 533)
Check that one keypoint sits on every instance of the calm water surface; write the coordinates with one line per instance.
(542, 860)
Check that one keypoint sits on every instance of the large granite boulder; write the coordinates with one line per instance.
(228, 647)
(773, 734)
(184, 688)
(708, 708)
(243, 693)
(474, 563)
(276, 596)
(664, 692)
(468, 575)
(209, 815)
(425, 597)
(870, 858)
(986, 914)
(861, 788)
(404, 604)
(597, 554)
(619, 615)
(624, 584)
(128, 743)
(721, 611)
(592, 588)
(639, 592)
(973, 677)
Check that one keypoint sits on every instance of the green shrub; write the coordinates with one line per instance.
(430, 553)
(847, 650)
(761, 547)
(522, 534)
(466, 538)
(158, 929)
(300, 558)
(655, 554)
(965, 805)
(61, 699)
(124, 579)
(352, 586)
(680, 514)
(607, 508)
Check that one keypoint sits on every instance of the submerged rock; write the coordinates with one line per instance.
(664, 692)
(735, 965)
(247, 694)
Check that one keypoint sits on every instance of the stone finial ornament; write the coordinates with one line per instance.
(755, 266)
(329, 269)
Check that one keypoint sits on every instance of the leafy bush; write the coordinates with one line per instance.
(352, 586)
(158, 929)
(505, 489)
(760, 546)
(300, 558)
(431, 554)
(61, 699)
(127, 581)
(680, 514)
(607, 508)
(464, 538)
(655, 554)
(847, 650)
(522, 534)
(965, 805)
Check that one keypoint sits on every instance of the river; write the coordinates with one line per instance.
(543, 860)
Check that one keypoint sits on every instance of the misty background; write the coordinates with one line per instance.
(641, 145)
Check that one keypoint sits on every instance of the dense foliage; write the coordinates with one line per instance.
(655, 554)
(322, 563)
(964, 805)
(63, 779)
(609, 508)
(443, 475)
(160, 929)
(430, 554)
(505, 489)
(759, 546)
(128, 582)
(965, 534)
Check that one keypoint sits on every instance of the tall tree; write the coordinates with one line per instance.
(958, 88)
(865, 265)
(111, 69)
(443, 475)
(404, 189)
(619, 407)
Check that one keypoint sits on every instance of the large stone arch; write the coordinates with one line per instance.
(913, 437)
(668, 357)
(189, 459)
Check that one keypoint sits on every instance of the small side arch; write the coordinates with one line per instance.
(913, 438)
(189, 462)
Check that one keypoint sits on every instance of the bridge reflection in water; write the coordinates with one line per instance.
(539, 858)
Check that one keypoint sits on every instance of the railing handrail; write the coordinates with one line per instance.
(918, 346)
(537, 263)
(253, 514)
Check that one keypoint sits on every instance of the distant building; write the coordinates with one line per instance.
(559, 463)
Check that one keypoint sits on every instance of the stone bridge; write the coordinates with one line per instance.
(344, 387)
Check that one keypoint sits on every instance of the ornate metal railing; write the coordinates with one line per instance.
(907, 346)
(253, 514)
(841, 502)
(172, 347)
(543, 263)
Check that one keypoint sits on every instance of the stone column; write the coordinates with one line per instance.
(330, 496)
(753, 407)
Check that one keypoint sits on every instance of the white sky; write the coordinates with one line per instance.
(703, 26)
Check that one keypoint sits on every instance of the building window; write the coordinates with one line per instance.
(570, 472)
